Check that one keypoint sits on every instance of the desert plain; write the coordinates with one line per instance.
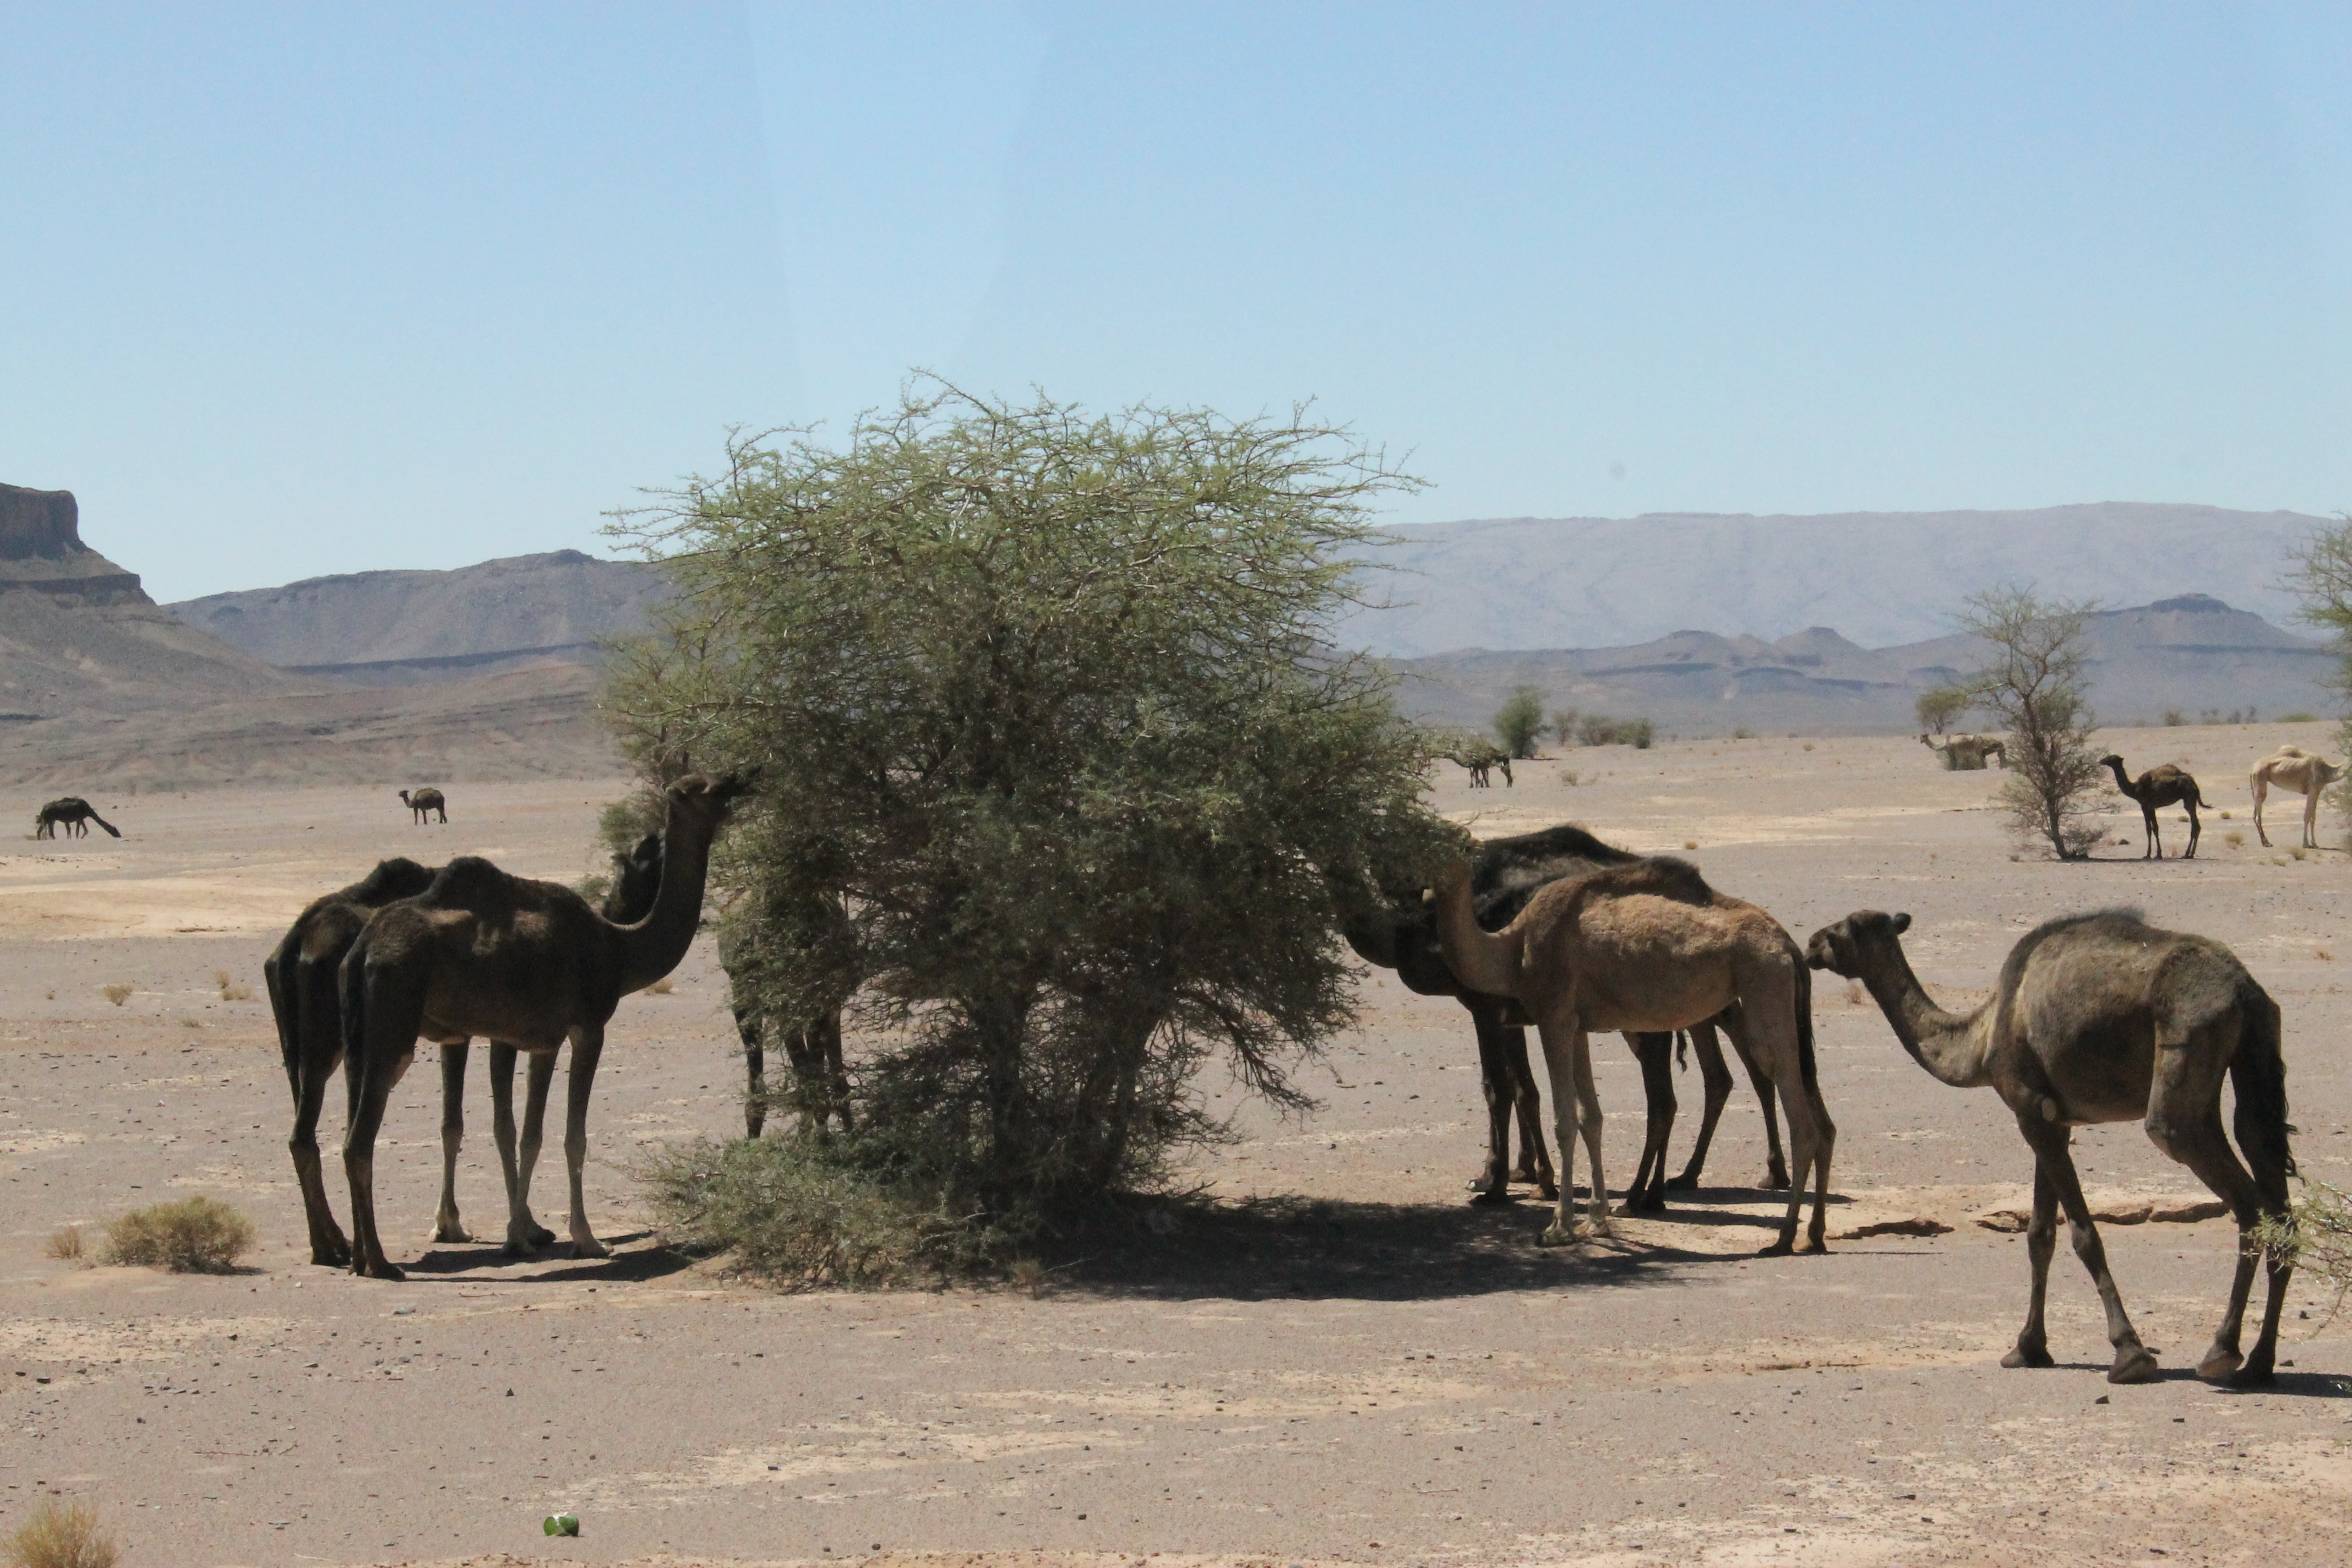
(1324, 1355)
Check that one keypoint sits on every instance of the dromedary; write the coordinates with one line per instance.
(812, 1043)
(1505, 874)
(77, 816)
(1479, 760)
(527, 965)
(300, 974)
(2291, 767)
(2102, 1017)
(2163, 785)
(1648, 946)
(1966, 753)
(424, 802)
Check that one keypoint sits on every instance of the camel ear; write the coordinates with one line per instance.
(1902, 924)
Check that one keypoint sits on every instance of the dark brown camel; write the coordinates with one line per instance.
(812, 1043)
(2102, 1017)
(1505, 873)
(1648, 946)
(300, 974)
(2165, 785)
(525, 963)
(424, 802)
(77, 816)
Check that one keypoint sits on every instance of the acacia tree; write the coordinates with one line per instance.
(2322, 574)
(1043, 703)
(1519, 723)
(1938, 706)
(2034, 684)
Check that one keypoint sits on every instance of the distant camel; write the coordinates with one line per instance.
(1479, 760)
(812, 1041)
(2103, 1018)
(427, 799)
(2291, 767)
(75, 812)
(2164, 786)
(1966, 753)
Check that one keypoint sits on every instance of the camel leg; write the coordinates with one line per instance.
(1768, 1099)
(1502, 1095)
(2185, 1121)
(2032, 1348)
(2311, 819)
(2195, 828)
(1716, 1078)
(2133, 1363)
(2155, 848)
(755, 1071)
(1589, 1122)
(806, 1056)
(1766, 1035)
(587, 1045)
(304, 1001)
(447, 1226)
(1560, 1060)
(2262, 789)
(525, 1235)
(1527, 1100)
(1656, 1053)
(372, 1091)
(534, 1119)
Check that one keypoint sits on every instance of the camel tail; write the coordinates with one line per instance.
(350, 984)
(1681, 1050)
(2257, 1075)
(1805, 1029)
(112, 831)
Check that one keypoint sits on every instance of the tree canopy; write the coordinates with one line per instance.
(1057, 768)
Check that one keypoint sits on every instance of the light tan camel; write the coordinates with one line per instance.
(424, 802)
(2103, 1018)
(527, 965)
(1648, 946)
(2291, 767)
(1966, 753)
(2164, 784)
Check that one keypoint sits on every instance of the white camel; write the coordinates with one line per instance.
(1966, 753)
(2291, 767)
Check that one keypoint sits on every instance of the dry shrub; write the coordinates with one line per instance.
(661, 988)
(62, 1535)
(195, 1235)
(2315, 1235)
(117, 991)
(230, 991)
(65, 1243)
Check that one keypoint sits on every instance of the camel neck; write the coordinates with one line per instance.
(1481, 960)
(658, 944)
(1946, 1043)
(2122, 779)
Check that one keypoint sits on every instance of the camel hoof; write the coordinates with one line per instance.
(451, 1233)
(1549, 1192)
(1811, 1244)
(2029, 1355)
(331, 1258)
(2135, 1365)
(1682, 1184)
(380, 1270)
(541, 1237)
(1489, 1198)
(1780, 1248)
(1558, 1235)
(1775, 1180)
(2219, 1363)
(589, 1246)
(1652, 1202)
(2252, 1375)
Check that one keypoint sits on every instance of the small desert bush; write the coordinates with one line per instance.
(65, 1243)
(1600, 730)
(2174, 718)
(195, 1235)
(2316, 1238)
(1567, 777)
(2298, 717)
(230, 991)
(117, 992)
(661, 988)
(798, 1214)
(2233, 839)
(62, 1535)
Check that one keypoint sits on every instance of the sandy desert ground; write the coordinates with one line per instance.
(1337, 1362)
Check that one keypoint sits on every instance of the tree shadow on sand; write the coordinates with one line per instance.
(1291, 1247)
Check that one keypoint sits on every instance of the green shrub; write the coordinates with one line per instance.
(62, 1535)
(1519, 723)
(1600, 730)
(2316, 1238)
(195, 1235)
(797, 1213)
(2298, 717)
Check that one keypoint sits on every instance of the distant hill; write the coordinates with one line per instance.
(1880, 578)
(78, 634)
(2193, 653)
(388, 628)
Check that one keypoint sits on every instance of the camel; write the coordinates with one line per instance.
(1648, 946)
(2103, 1018)
(812, 1044)
(2164, 786)
(1966, 753)
(1480, 760)
(425, 801)
(1505, 873)
(2291, 767)
(530, 965)
(300, 975)
(77, 816)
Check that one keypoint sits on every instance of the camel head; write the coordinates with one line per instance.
(700, 797)
(1841, 948)
(2112, 761)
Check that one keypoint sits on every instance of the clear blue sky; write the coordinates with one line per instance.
(290, 290)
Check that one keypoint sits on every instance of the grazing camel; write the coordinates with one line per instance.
(1480, 760)
(300, 974)
(2103, 1018)
(2164, 786)
(1505, 873)
(77, 816)
(2291, 767)
(1966, 753)
(528, 964)
(1648, 946)
(425, 801)
(813, 1043)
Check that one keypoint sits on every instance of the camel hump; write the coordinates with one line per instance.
(473, 882)
(2124, 922)
(398, 878)
(1660, 876)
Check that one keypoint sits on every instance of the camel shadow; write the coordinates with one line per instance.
(2297, 1384)
(1296, 1248)
(471, 1265)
